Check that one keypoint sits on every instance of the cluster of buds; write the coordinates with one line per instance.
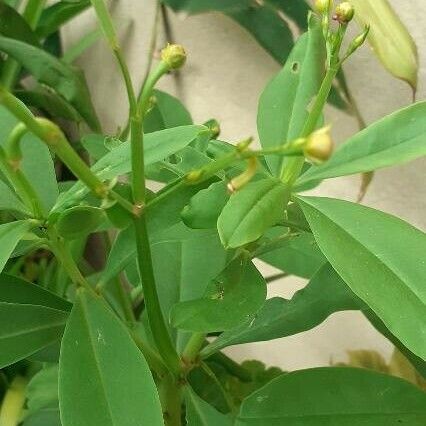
(343, 13)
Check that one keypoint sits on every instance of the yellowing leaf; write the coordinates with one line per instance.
(389, 39)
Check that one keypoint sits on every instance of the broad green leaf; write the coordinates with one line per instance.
(79, 221)
(377, 255)
(325, 294)
(48, 416)
(194, 259)
(389, 38)
(395, 139)
(298, 255)
(167, 112)
(205, 207)
(284, 104)
(64, 79)
(13, 25)
(17, 290)
(334, 397)
(251, 211)
(121, 390)
(25, 329)
(200, 413)
(9, 201)
(56, 15)
(37, 163)
(237, 292)
(157, 146)
(10, 235)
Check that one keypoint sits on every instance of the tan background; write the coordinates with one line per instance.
(224, 77)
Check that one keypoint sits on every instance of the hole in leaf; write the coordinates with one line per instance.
(175, 159)
(295, 67)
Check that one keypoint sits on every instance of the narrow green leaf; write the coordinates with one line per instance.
(56, 15)
(284, 104)
(25, 329)
(298, 255)
(334, 396)
(395, 139)
(157, 147)
(10, 235)
(251, 211)
(200, 6)
(205, 206)
(13, 25)
(200, 413)
(389, 38)
(69, 82)
(16, 290)
(121, 390)
(9, 201)
(79, 221)
(239, 291)
(325, 294)
(378, 257)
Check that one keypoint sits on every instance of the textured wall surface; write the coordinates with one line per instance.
(224, 77)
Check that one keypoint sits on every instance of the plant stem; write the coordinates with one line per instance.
(13, 402)
(192, 349)
(171, 400)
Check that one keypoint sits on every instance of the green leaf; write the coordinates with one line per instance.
(205, 206)
(284, 104)
(69, 82)
(298, 255)
(239, 291)
(251, 211)
(17, 290)
(200, 413)
(334, 396)
(53, 17)
(9, 201)
(13, 25)
(167, 112)
(325, 294)
(157, 146)
(25, 329)
(48, 416)
(121, 390)
(79, 221)
(389, 38)
(10, 234)
(200, 6)
(378, 257)
(395, 139)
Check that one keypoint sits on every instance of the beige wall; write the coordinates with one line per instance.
(224, 77)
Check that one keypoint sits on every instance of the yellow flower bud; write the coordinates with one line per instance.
(322, 6)
(244, 178)
(344, 12)
(319, 146)
(174, 56)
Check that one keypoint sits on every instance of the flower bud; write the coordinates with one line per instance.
(319, 146)
(245, 177)
(358, 41)
(174, 56)
(344, 12)
(322, 6)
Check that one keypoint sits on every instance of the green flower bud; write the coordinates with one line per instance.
(344, 12)
(322, 6)
(174, 56)
(319, 146)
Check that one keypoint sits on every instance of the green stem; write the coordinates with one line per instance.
(12, 68)
(232, 367)
(171, 400)
(193, 348)
(156, 320)
(13, 402)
